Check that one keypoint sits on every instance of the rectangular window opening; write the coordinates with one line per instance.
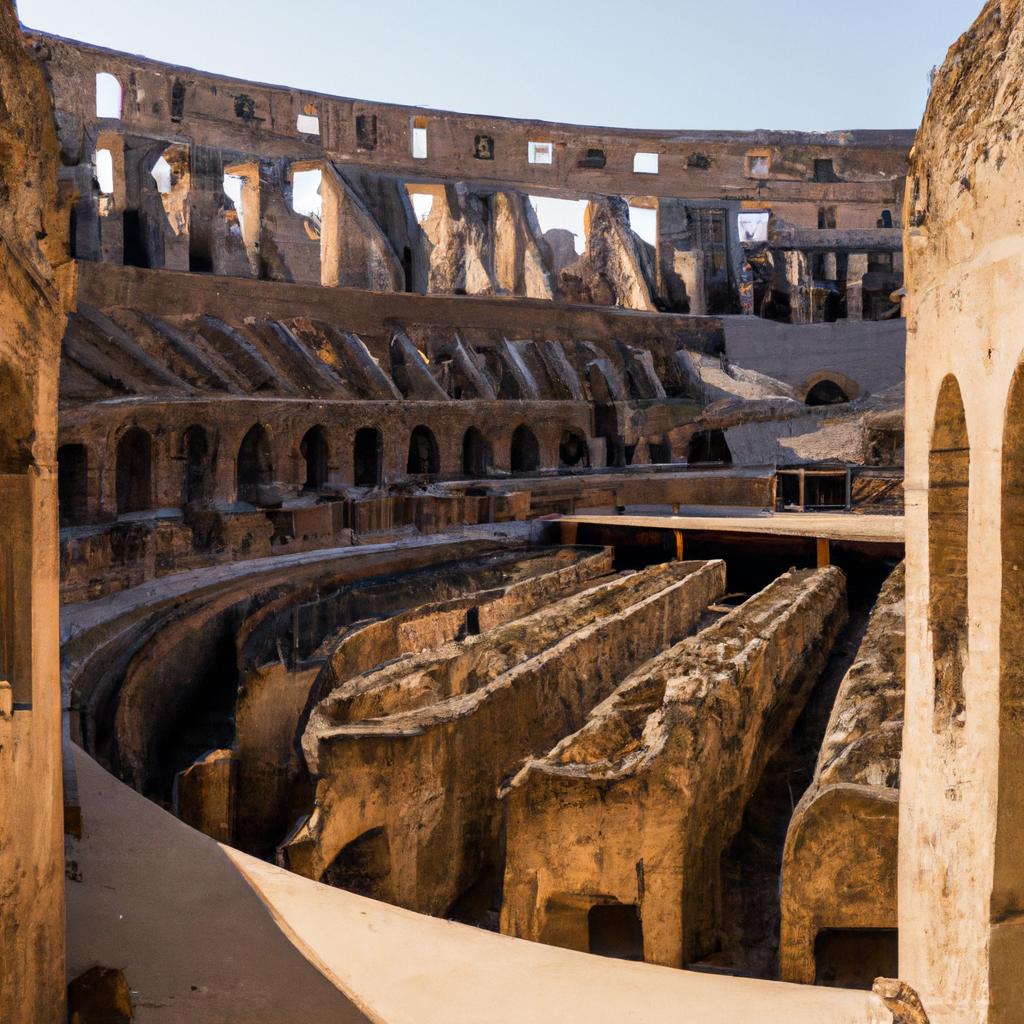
(419, 138)
(105, 171)
(644, 222)
(540, 152)
(759, 165)
(308, 124)
(483, 147)
(306, 200)
(177, 101)
(645, 163)
(753, 226)
(824, 171)
(561, 216)
(366, 131)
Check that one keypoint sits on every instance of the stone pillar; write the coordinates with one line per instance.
(112, 204)
(680, 263)
(856, 268)
(798, 281)
(205, 795)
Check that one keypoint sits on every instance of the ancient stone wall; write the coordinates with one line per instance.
(36, 288)
(635, 810)
(961, 889)
(839, 865)
(415, 752)
(363, 626)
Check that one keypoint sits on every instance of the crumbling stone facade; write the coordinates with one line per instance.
(839, 868)
(631, 814)
(324, 378)
(36, 289)
(960, 813)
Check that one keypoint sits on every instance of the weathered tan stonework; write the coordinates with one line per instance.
(961, 884)
(36, 289)
(636, 809)
(416, 752)
(839, 867)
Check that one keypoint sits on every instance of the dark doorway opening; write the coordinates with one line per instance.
(200, 258)
(255, 471)
(854, 957)
(134, 248)
(826, 392)
(824, 170)
(572, 450)
(134, 471)
(198, 474)
(476, 454)
(525, 454)
(407, 269)
(615, 930)
(424, 459)
(72, 483)
(366, 457)
(313, 448)
(708, 446)
(661, 452)
(363, 866)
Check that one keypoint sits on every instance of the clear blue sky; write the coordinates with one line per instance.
(730, 64)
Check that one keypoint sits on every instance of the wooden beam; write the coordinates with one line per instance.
(824, 553)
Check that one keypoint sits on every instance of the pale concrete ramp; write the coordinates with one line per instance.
(172, 908)
(163, 902)
(403, 968)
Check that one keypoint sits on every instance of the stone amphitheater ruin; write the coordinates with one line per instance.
(388, 580)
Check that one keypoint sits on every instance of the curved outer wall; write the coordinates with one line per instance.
(961, 898)
(35, 283)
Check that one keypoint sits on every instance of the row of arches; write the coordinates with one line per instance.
(254, 466)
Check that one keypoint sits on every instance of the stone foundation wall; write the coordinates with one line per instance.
(454, 723)
(637, 807)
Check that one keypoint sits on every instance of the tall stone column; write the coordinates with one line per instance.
(856, 268)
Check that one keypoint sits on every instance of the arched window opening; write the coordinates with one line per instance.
(255, 467)
(314, 451)
(72, 483)
(572, 450)
(423, 455)
(826, 392)
(949, 461)
(198, 469)
(476, 453)
(108, 95)
(366, 457)
(708, 446)
(134, 471)
(525, 451)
